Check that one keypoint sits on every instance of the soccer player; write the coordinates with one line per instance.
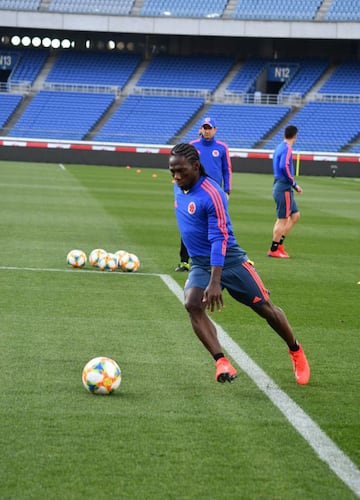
(284, 184)
(218, 262)
(215, 157)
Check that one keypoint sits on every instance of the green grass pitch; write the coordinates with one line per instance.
(171, 432)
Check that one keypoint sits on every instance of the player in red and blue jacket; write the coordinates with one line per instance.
(215, 157)
(287, 210)
(218, 262)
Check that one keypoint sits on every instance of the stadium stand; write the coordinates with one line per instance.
(149, 119)
(241, 126)
(61, 115)
(28, 66)
(197, 73)
(245, 79)
(323, 127)
(8, 104)
(308, 73)
(276, 10)
(107, 69)
(112, 7)
(344, 80)
(20, 4)
(172, 94)
(184, 8)
(344, 10)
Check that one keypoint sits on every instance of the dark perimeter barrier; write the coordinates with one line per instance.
(153, 156)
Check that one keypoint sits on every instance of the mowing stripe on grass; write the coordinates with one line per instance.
(323, 446)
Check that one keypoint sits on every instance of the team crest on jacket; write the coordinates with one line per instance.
(215, 153)
(191, 208)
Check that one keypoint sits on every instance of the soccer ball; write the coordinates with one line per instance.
(101, 375)
(95, 255)
(108, 262)
(76, 258)
(129, 262)
(119, 254)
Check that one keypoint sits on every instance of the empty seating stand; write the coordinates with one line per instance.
(93, 68)
(202, 73)
(344, 10)
(61, 115)
(324, 126)
(28, 65)
(8, 104)
(241, 126)
(280, 10)
(184, 8)
(20, 4)
(345, 80)
(149, 119)
(112, 7)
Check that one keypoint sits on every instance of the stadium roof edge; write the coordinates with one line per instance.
(181, 26)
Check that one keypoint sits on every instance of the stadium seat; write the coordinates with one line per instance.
(93, 68)
(241, 126)
(187, 73)
(8, 104)
(149, 119)
(61, 115)
(323, 127)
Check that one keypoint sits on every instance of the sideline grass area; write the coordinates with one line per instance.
(171, 432)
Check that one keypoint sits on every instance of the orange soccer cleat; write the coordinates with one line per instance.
(225, 371)
(300, 365)
(278, 254)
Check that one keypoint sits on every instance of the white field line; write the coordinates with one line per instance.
(323, 446)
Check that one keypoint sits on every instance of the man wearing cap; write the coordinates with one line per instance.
(215, 157)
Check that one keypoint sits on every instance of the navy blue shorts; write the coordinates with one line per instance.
(238, 277)
(285, 203)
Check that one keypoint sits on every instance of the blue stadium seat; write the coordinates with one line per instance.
(195, 73)
(8, 104)
(344, 80)
(241, 126)
(112, 7)
(323, 127)
(94, 68)
(277, 10)
(183, 8)
(149, 119)
(309, 72)
(344, 10)
(20, 4)
(245, 79)
(29, 64)
(61, 115)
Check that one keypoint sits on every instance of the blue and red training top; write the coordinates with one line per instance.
(215, 157)
(204, 221)
(283, 165)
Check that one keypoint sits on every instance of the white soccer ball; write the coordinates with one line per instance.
(119, 254)
(101, 375)
(76, 258)
(95, 255)
(129, 262)
(108, 262)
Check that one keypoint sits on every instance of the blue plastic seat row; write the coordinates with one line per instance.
(149, 119)
(61, 115)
